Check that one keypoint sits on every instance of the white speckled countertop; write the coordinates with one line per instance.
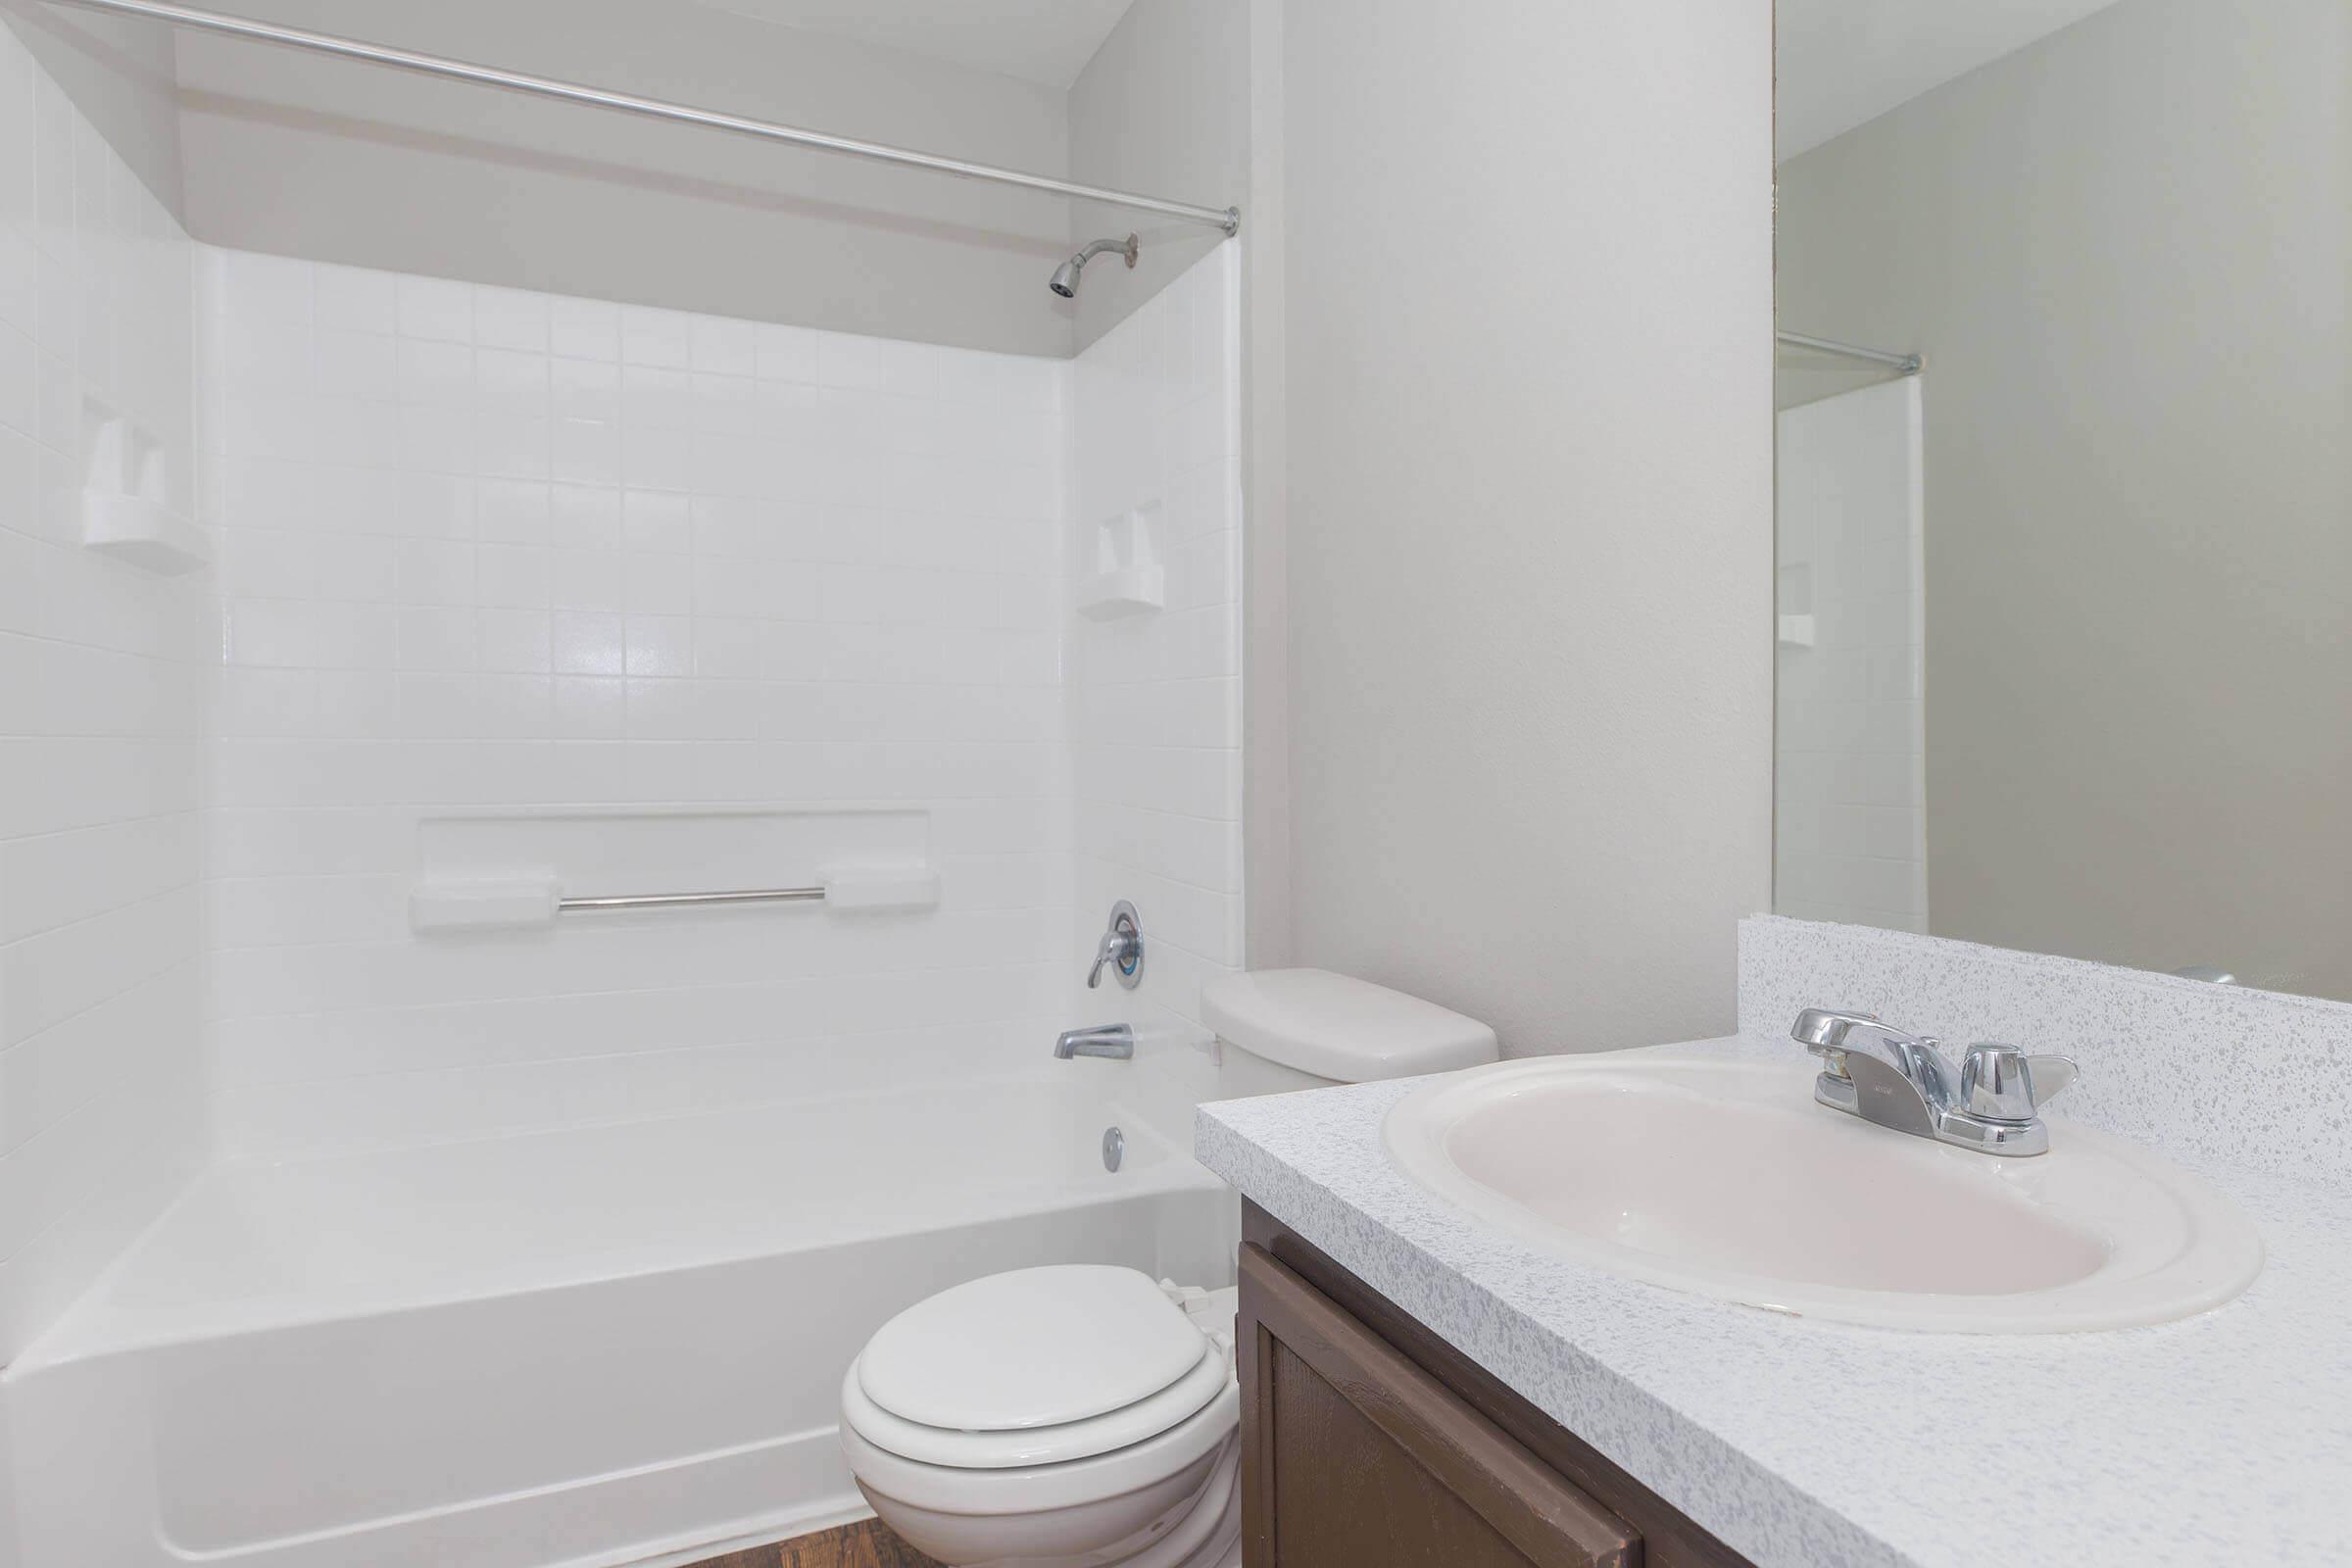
(2227, 1437)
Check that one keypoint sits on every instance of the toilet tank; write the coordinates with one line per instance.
(1285, 1029)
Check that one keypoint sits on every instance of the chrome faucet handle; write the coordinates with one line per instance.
(1121, 949)
(2053, 1077)
(2001, 1083)
(1116, 950)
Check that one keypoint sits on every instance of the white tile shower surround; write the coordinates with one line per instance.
(2219, 1438)
(102, 690)
(492, 550)
(485, 554)
(1156, 699)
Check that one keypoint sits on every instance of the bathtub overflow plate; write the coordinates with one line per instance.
(1114, 1147)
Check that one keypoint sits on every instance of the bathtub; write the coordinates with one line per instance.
(588, 1347)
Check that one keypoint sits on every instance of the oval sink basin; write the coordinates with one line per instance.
(1726, 1179)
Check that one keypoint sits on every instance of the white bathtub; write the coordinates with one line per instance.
(590, 1346)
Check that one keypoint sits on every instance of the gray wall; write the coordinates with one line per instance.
(120, 74)
(1530, 487)
(303, 157)
(2123, 250)
(313, 158)
(1162, 109)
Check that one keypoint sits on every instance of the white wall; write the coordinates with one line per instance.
(101, 716)
(296, 155)
(493, 549)
(2125, 254)
(1849, 825)
(1528, 287)
(1156, 697)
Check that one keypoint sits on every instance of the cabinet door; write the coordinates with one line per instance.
(1355, 1457)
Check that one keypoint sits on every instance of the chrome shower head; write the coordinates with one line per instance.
(1065, 276)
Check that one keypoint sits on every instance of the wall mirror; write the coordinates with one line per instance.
(2065, 607)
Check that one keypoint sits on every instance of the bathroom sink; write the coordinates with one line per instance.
(1725, 1179)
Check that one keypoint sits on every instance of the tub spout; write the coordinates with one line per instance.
(1114, 1041)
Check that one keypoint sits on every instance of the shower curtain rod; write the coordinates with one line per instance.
(1227, 219)
(1908, 364)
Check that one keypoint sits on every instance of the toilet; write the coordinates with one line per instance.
(1086, 1416)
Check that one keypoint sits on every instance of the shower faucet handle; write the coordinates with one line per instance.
(1121, 950)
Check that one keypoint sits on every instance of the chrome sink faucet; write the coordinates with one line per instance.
(1883, 1075)
(1114, 1041)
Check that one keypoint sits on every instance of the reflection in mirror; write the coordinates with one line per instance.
(2065, 652)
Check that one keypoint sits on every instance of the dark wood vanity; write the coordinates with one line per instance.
(1367, 1442)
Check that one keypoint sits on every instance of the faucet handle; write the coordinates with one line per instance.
(1121, 950)
(2002, 1083)
(2052, 1076)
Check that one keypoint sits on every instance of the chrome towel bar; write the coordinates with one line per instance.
(674, 901)
(462, 903)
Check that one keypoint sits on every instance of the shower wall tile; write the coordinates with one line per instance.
(101, 692)
(1155, 698)
(485, 549)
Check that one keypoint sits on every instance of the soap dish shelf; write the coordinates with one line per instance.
(125, 512)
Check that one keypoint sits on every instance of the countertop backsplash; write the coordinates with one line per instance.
(2256, 1079)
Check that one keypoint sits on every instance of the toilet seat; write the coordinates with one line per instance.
(1038, 1488)
(1121, 1428)
(1039, 1367)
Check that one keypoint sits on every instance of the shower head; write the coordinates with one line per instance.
(1065, 276)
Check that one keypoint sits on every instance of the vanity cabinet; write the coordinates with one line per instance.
(1367, 1442)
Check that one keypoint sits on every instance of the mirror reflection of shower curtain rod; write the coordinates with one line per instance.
(1227, 219)
(1908, 364)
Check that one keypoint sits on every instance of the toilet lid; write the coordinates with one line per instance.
(1035, 1347)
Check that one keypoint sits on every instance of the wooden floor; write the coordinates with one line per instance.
(867, 1544)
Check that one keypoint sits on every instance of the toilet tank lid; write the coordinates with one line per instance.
(1338, 1027)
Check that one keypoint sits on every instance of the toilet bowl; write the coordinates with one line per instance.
(1072, 1416)
(1084, 1416)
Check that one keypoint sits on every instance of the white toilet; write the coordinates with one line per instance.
(1083, 1416)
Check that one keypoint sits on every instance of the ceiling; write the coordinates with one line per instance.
(1843, 61)
(1045, 41)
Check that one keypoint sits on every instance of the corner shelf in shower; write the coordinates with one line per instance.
(1133, 591)
(1128, 578)
(125, 512)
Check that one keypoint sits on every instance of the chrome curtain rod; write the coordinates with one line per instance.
(1228, 218)
(1908, 364)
